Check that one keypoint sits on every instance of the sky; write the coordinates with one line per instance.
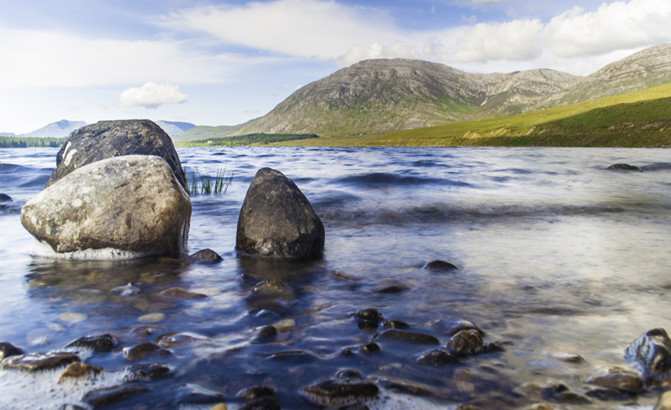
(214, 62)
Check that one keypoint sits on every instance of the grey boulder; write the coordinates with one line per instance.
(107, 139)
(131, 203)
(277, 220)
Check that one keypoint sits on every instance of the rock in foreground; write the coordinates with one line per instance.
(277, 220)
(131, 203)
(652, 353)
(107, 139)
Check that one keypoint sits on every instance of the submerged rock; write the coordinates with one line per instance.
(147, 372)
(107, 139)
(179, 293)
(37, 362)
(277, 220)
(466, 342)
(339, 393)
(5, 198)
(205, 256)
(618, 379)
(109, 395)
(408, 337)
(368, 318)
(652, 353)
(101, 343)
(83, 210)
(437, 358)
(142, 350)
(259, 398)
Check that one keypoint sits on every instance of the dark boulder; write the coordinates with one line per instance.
(368, 318)
(100, 343)
(106, 139)
(338, 393)
(205, 256)
(8, 349)
(652, 353)
(38, 362)
(624, 167)
(440, 266)
(5, 198)
(277, 220)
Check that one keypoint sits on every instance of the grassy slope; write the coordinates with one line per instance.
(634, 120)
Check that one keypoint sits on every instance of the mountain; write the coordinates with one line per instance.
(379, 96)
(59, 129)
(174, 128)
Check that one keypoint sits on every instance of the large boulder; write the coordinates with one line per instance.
(132, 203)
(651, 352)
(277, 220)
(107, 139)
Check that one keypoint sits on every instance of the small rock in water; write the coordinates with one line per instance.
(569, 357)
(8, 349)
(101, 343)
(652, 353)
(397, 288)
(151, 318)
(285, 325)
(618, 379)
(338, 393)
(465, 342)
(440, 266)
(265, 334)
(371, 347)
(395, 324)
(109, 395)
(5, 198)
(259, 398)
(142, 350)
(147, 372)
(273, 288)
(179, 293)
(437, 358)
(205, 256)
(194, 394)
(37, 362)
(78, 370)
(451, 327)
(368, 318)
(409, 337)
(624, 167)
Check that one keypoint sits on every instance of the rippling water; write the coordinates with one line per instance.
(557, 256)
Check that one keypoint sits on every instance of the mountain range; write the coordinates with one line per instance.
(63, 128)
(384, 95)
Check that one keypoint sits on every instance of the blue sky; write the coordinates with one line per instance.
(226, 62)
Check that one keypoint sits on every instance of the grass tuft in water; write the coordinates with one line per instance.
(200, 184)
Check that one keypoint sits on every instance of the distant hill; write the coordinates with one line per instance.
(58, 129)
(379, 96)
(174, 128)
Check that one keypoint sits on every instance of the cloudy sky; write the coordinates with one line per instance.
(216, 62)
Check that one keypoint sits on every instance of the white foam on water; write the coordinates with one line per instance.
(43, 249)
(43, 390)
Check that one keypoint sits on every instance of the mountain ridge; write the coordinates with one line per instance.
(385, 95)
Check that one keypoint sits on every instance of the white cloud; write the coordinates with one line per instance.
(375, 50)
(47, 58)
(152, 95)
(613, 26)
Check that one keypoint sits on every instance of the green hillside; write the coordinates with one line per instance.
(640, 119)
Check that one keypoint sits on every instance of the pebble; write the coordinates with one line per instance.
(142, 350)
(284, 325)
(409, 337)
(440, 266)
(110, 395)
(147, 372)
(101, 343)
(368, 318)
(205, 256)
(265, 334)
(151, 318)
(78, 370)
(336, 393)
(179, 293)
(465, 342)
(8, 349)
(619, 379)
(437, 358)
(395, 324)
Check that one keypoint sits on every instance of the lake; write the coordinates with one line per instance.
(561, 263)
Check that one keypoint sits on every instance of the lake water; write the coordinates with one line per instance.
(557, 257)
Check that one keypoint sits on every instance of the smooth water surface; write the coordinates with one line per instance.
(557, 256)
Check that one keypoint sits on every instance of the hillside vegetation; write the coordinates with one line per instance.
(640, 119)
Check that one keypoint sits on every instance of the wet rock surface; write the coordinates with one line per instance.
(8, 349)
(339, 393)
(179, 293)
(82, 210)
(440, 266)
(100, 343)
(195, 394)
(110, 395)
(38, 362)
(277, 220)
(143, 350)
(78, 370)
(466, 342)
(651, 352)
(107, 139)
(147, 372)
(408, 337)
(368, 318)
(205, 256)
(437, 358)
(624, 167)
(619, 379)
